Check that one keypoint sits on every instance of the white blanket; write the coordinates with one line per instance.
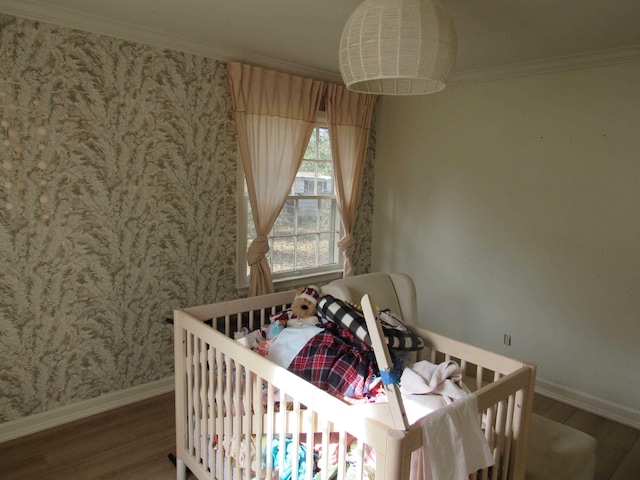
(454, 445)
(289, 342)
(424, 377)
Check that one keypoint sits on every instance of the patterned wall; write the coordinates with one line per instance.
(117, 205)
(116, 198)
(362, 230)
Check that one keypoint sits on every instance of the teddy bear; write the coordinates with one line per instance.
(301, 312)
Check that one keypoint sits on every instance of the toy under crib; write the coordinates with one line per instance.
(240, 415)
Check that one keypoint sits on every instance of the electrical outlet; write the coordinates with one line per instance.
(507, 339)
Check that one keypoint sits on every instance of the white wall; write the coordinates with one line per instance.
(515, 205)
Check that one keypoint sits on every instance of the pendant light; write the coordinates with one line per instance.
(397, 47)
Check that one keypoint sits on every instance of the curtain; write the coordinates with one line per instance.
(349, 121)
(275, 114)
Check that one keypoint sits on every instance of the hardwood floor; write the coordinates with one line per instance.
(129, 443)
(618, 450)
(133, 443)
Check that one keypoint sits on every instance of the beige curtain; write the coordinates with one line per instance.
(275, 114)
(349, 120)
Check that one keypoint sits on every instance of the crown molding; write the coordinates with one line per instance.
(553, 65)
(41, 11)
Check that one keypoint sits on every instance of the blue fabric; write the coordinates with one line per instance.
(286, 470)
(388, 376)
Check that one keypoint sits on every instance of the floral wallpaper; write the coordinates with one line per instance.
(116, 195)
(117, 205)
(362, 230)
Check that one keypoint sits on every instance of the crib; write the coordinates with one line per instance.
(240, 416)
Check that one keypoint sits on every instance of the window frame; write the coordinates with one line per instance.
(289, 279)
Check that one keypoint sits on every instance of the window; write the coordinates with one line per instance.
(304, 238)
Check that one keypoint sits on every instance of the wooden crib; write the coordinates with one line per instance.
(240, 416)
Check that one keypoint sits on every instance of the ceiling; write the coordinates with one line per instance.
(495, 37)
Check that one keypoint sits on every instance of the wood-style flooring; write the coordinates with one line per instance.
(128, 443)
(133, 443)
(618, 450)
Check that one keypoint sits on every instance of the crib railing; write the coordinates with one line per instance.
(505, 389)
(240, 416)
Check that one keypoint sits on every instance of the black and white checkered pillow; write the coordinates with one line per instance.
(398, 336)
(336, 311)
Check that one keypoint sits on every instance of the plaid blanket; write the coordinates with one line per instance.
(337, 361)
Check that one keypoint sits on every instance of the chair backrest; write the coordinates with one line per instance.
(395, 291)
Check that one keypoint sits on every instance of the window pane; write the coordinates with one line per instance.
(325, 178)
(285, 222)
(311, 147)
(307, 216)
(305, 179)
(307, 166)
(304, 183)
(283, 250)
(325, 214)
(324, 147)
(307, 251)
(298, 185)
(309, 186)
(325, 168)
(305, 233)
(327, 250)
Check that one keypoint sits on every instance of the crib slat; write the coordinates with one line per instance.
(358, 455)
(227, 324)
(309, 427)
(295, 438)
(258, 413)
(463, 368)
(282, 428)
(324, 466)
(499, 429)
(238, 327)
(508, 435)
(500, 423)
(479, 375)
(227, 405)
(220, 416)
(191, 426)
(196, 403)
(201, 382)
(342, 455)
(236, 429)
(270, 427)
(212, 407)
(245, 415)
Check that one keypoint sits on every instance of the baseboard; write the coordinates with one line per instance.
(69, 413)
(583, 401)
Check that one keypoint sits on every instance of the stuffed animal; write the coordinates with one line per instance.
(301, 312)
(304, 306)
